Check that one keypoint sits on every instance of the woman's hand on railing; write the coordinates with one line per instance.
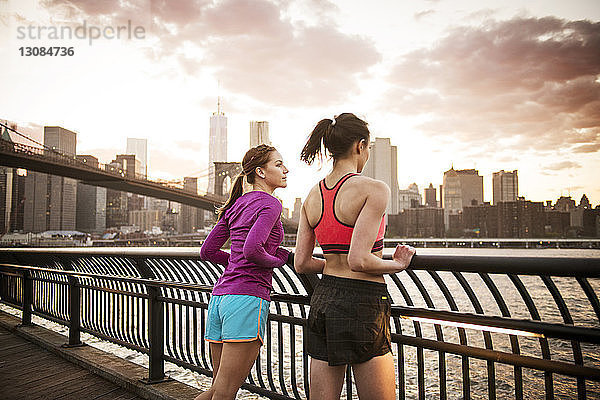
(369, 263)
(403, 255)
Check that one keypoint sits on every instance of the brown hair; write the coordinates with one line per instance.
(255, 157)
(336, 135)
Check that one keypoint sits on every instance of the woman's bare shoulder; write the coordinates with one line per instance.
(314, 191)
(369, 185)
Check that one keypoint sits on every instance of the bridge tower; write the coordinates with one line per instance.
(225, 172)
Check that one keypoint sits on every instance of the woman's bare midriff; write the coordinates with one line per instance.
(337, 265)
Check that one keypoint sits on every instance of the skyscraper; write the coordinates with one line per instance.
(461, 188)
(139, 147)
(6, 187)
(259, 133)
(119, 203)
(63, 191)
(6, 191)
(191, 218)
(18, 200)
(505, 186)
(60, 139)
(63, 203)
(129, 163)
(217, 144)
(50, 200)
(35, 208)
(430, 196)
(297, 209)
(91, 203)
(383, 165)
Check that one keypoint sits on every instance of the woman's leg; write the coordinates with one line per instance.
(375, 379)
(215, 356)
(237, 359)
(326, 382)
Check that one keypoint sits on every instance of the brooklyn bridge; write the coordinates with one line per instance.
(47, 160)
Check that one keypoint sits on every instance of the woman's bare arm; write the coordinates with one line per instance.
(304, 262)
(360, 258)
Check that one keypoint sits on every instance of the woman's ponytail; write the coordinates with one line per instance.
(334, 137)
(236, 192)
(313, 146)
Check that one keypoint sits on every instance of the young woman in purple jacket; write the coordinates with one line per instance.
(239, 305)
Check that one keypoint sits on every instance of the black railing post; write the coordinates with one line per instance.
(156, 364)
(27, 295)
(156, 327)
(74, 313)
(3, 287)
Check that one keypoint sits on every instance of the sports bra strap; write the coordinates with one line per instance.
(339, 183)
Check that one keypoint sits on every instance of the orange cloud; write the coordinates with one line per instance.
(252, 47)
(527, 78)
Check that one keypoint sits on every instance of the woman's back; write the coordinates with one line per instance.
(349, 200)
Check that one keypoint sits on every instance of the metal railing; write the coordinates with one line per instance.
(483, 327)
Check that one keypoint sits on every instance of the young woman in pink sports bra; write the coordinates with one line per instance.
(349, 319)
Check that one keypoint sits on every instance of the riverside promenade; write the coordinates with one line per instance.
(35, 365)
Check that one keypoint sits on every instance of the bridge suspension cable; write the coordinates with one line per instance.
(24, 136)
(203, 173)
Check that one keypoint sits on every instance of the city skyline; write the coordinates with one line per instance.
(429, 75)
(399, 194)
(39, 202)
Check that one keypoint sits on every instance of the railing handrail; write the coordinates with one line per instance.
(587, 267)
(523, 265)
(185, 252)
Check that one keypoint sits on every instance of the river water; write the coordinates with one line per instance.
(565, 388)
(575, 299)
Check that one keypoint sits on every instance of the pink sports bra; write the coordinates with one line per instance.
(332, 234)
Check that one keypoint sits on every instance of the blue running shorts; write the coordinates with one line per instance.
(236, 318)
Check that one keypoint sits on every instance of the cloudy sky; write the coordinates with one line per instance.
(475, 84)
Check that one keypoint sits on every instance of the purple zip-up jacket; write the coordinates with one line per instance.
(254, 225)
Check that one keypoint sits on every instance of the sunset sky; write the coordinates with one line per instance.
(475, 84)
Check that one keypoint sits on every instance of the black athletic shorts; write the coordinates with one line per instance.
(349, 321)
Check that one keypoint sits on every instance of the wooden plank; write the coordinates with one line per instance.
(95, 389)
(31, 361)
(127, 396)
(55, 385)
(10, 344)
(26, 390)
(30, 376)
(19, 350)
(44, 361)
(47, 375)
(27, 356)
(113, 394)
(28, 371)
(72, 385)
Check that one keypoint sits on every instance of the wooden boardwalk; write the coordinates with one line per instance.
(29, 372)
